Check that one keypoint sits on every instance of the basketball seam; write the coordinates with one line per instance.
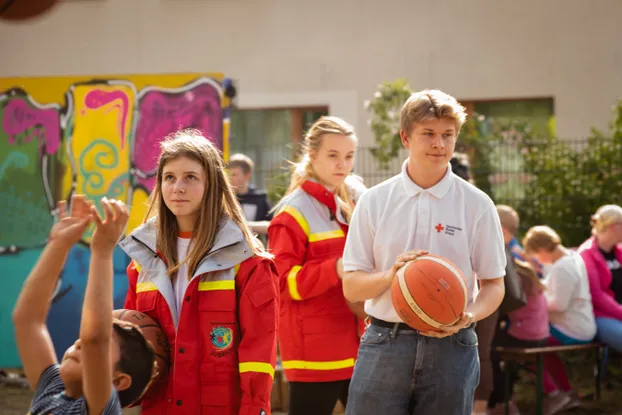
(414, 306)
(454, 270)
(149, 325)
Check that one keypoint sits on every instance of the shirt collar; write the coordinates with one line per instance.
(439, 190)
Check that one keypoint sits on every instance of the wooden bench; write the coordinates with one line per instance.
(521, 357)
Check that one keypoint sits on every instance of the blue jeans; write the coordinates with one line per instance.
(402, 372)
(610, 332)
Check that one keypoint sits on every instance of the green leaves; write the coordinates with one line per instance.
(571, 179)
(385, 110)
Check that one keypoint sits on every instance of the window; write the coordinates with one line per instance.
(270, 138)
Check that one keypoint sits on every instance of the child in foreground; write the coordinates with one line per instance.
(111, 364)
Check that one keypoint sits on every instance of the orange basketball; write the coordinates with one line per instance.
(24, 9)
(429, 292)
(154, 335)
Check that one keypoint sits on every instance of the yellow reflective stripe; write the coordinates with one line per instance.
(321, 236)
(302, 364)
(292, 284)
(136, 266)
(216, 285)
(145, 286)
(299, 218)
(236, 269)
(259, 367)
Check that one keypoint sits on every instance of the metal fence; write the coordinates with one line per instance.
(508, 177)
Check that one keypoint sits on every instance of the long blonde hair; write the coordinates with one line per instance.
(303, 170)
(218, 202)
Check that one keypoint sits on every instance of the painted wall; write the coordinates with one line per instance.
(95, 136)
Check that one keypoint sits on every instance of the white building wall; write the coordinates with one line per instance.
(335, 52)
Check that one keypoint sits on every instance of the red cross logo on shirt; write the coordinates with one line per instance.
(439, 228)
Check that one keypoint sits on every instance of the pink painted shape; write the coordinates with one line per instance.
(20, 118)
(162, 113)
(97, 98)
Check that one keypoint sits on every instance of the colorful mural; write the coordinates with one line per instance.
(99, 137)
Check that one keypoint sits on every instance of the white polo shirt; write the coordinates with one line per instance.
(452, 219)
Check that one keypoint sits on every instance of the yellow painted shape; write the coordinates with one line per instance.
(99, 143)
(225, 139)
(138, 209)
(52, 89)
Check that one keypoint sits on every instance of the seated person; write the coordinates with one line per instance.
(602, 254)
(569, 303)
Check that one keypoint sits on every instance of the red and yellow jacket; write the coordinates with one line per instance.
(318, 334)
(223, 342)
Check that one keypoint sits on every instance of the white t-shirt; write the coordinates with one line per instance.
(452, 219)
(182, 279)
(569, 299)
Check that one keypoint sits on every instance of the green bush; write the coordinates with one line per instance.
(569, 182)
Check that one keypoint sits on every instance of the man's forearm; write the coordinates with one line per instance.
(35, 298)
(488, 298)
(360, 286)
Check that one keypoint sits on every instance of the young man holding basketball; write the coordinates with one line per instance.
(424, 209)
(111, 363)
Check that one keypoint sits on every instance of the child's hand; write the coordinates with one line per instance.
(69, 229)
(108, 231)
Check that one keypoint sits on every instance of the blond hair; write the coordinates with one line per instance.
(303, 170)
(241, 161)
(509, 218)
(431, 104)
(604, 217)
(218, 202)
(540, 238)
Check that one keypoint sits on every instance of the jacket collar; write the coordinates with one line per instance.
(320, 193)
(326, 197)
(230, 248)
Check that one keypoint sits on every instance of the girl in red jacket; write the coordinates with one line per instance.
(201, 274)
(318, 332)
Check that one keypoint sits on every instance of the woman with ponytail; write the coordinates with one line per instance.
(318, 328)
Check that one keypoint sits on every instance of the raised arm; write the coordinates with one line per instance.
(30, 313)
(96, 324)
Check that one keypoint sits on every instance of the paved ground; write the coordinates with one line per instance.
(15, 401)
